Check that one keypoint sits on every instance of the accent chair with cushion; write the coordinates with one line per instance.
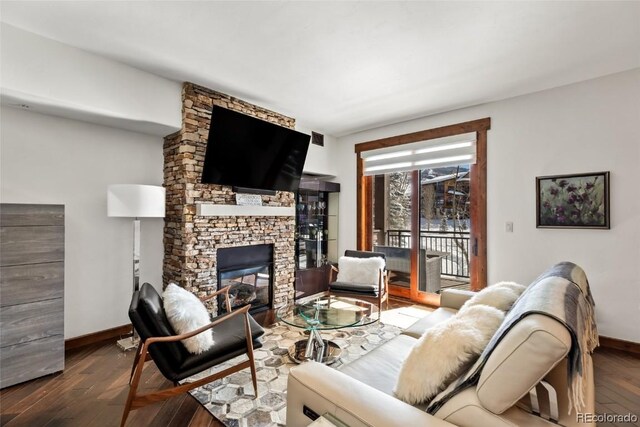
(361, 274)
(234, 333)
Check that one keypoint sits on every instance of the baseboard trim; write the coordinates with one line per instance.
(88, 339)
(120, 331)
(617, 344)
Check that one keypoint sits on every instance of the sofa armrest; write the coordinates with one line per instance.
(326, 390)
(454, 298)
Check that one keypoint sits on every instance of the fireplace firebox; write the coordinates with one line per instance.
(248, 270)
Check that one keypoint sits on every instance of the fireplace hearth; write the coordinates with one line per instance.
(248, 270)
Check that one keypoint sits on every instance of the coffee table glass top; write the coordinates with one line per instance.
(325, 311)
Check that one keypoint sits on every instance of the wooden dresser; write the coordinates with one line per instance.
(31, 291)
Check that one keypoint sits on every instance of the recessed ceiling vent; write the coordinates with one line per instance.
(317, 139)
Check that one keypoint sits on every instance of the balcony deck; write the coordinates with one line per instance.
(453, 283)
(446, 282)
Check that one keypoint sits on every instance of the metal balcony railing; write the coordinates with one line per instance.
(456, 244)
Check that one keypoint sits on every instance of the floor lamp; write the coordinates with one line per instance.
(135, 201)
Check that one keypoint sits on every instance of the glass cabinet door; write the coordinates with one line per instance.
(312, 228)
(316, 234)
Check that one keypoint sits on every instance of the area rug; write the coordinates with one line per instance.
(231, 399)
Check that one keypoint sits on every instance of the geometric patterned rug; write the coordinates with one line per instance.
(231, 399)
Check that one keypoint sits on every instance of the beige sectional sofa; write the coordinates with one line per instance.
(361, 392)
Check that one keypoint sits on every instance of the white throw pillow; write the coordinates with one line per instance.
(500, 297)
(359, 270)
(515, 287)
(444, 352)
(186, 313)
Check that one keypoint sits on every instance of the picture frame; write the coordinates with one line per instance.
(573, 201)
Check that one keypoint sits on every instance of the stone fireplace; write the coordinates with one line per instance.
(191, 241)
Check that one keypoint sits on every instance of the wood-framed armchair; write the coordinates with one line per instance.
(374, 292)
(235, 333)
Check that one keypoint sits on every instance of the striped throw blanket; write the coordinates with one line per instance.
(562, 293)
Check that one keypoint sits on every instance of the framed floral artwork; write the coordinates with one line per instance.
(573, 201)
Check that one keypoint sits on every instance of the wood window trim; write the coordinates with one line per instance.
(478, 187)
(423, 135)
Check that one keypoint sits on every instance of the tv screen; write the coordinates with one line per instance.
(243, 151)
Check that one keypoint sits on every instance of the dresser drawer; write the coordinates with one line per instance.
(22, 284)
(28, 322)
(24, 362)
(31, 245)
(20, 215)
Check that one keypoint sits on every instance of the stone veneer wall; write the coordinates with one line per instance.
(191, 241)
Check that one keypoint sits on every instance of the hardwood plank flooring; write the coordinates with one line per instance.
(92, 391)
(93, 388)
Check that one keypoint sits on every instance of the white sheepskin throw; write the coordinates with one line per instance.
(359, 270)
(515, 287)
(500, 297)
(187, 313)
(444, 352)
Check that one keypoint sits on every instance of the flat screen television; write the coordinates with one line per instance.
(243, 151)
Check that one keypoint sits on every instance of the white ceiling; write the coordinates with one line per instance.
(341, 67)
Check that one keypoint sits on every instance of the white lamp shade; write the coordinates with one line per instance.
(132, 200)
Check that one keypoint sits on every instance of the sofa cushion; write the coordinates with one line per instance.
(454, 298)
(465, 410)
(360, 270)
(420, 327)
(445, 351)
(325, 390)
(524, 356)
(381, 366)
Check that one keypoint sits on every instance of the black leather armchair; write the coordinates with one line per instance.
(376, 292)
(235, 333)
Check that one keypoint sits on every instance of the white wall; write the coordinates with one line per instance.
(48, 159)
(586, 127)
(320, 160)
(58, 79)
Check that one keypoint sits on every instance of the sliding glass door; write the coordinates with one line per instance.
(421, 222)
(445, 225)
(392, 216)
(422, 202)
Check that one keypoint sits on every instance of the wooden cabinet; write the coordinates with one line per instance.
(316, 234)
(31, 291)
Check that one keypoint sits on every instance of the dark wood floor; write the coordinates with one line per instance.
(617, 376)
(93, 388)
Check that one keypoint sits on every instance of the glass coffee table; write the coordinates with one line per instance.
(320, 312)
